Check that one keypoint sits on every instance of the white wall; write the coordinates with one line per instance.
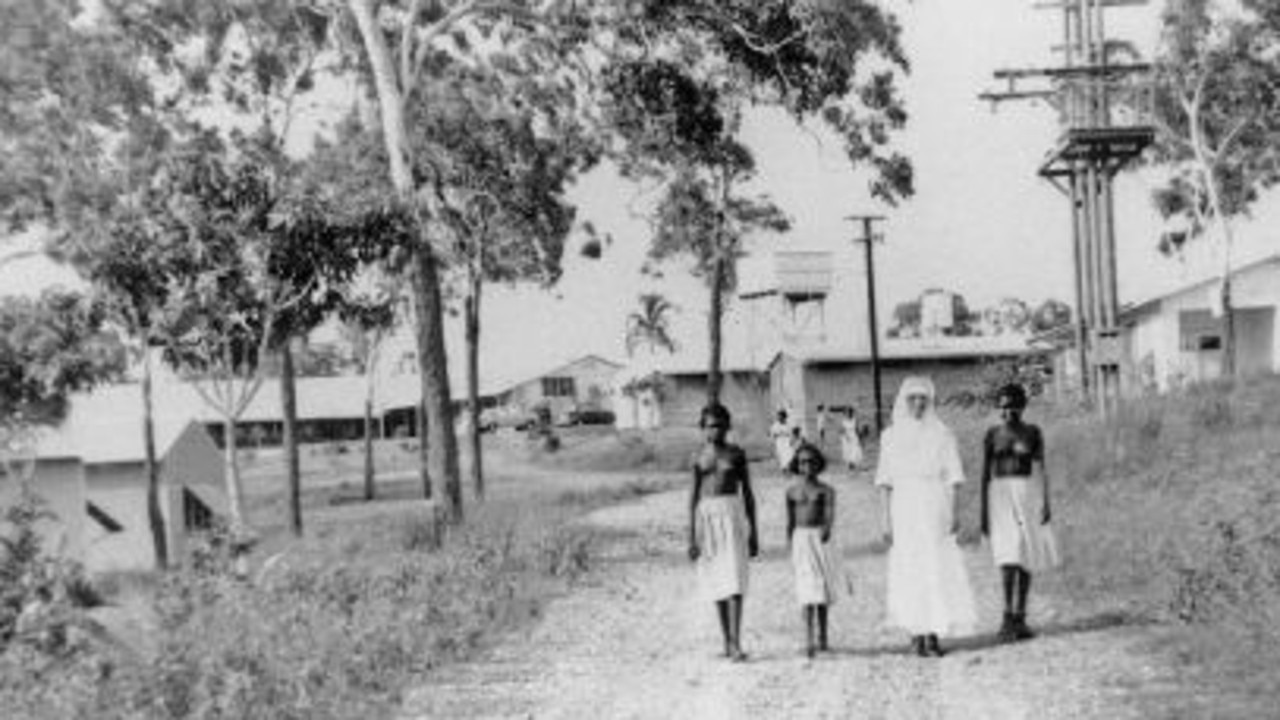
(120, 490)
(60, 482)
(193, 462)
(1159, 333)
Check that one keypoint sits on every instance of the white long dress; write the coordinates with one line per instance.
(850, 443)
(783, 443)
(928, 586)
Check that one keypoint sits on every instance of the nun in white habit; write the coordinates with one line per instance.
(919, 471)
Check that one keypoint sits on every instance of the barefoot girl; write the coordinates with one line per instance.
(811, 510)
(722, 525)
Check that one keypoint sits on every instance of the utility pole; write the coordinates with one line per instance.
(1091, 150)
(868, 239)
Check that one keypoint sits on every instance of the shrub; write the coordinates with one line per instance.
(324, 635)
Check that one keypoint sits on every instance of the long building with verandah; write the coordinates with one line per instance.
(840, 377)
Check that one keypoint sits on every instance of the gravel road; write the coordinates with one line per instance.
(633, 641)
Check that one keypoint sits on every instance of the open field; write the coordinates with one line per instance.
(1168, 606)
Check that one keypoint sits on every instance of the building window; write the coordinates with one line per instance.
(195, 514)
(100, 516)
(557, 387)
(1202, 343)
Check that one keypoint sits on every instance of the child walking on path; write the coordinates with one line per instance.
(811, 510)
(1015, 507)
(722, 525)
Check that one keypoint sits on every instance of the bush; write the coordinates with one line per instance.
(325, 634)
(1169, 511)
(40, 595)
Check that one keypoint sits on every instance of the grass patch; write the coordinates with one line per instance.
(612, 494)
(333, 626)
(660, 450)
(1170, 512)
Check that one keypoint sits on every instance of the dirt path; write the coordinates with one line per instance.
(634, 642)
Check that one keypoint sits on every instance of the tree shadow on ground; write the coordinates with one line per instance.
(1104, 620)
(987, 641)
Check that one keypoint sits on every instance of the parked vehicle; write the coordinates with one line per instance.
(493, 419)
(590, 416)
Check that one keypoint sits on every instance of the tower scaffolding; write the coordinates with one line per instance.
(1091, 94)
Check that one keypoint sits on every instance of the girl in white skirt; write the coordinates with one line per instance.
(722, 525)
(1015, 507)
(811, 511)
(928, 587)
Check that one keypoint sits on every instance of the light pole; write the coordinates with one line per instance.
(867, 239)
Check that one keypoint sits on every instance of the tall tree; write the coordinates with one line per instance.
(82, 130)
(403, 45)
(367, 318)
(502, 158)
(255, 262)
(1217, 113)
(257, 61)
(682, 74)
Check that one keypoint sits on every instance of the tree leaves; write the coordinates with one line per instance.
(1216, 104)
(49, 348)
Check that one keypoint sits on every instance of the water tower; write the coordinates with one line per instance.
(787, 308)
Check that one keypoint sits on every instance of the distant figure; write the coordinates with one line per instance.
(783, 441)
(1015, 507)
(722, 525)
(850, 439)
(822, 419)
(811, 511)
(928, 587)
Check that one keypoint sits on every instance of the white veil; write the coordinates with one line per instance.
(915, 385)
(912, 446)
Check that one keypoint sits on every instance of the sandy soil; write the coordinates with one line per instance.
(633, 641)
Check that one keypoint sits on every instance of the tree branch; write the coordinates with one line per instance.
(407, 55)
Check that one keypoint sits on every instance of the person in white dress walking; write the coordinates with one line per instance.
(919, 470)
(782, 432)
(850, 441)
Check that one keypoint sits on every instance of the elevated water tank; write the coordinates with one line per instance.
(802, 274)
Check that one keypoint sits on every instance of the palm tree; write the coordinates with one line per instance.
(650, 325)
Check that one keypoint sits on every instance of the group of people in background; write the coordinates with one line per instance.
(917, 476)
(788, 436)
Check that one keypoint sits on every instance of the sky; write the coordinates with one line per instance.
(981, 222)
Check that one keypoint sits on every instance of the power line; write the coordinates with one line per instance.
(1090, 151)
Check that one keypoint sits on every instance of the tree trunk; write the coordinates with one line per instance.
(289, 441)
(424, 453)
(473, 382)
(390, 99)
(369, 490)
(1228, 330)
(1207, 174)
(437, 439)
(438, 435)
(714, 376)
(155, 514)
(231, 465)
(370, 427)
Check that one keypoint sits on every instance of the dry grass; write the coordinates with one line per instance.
(1169, 513)
(660, 450)
(334, 625)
